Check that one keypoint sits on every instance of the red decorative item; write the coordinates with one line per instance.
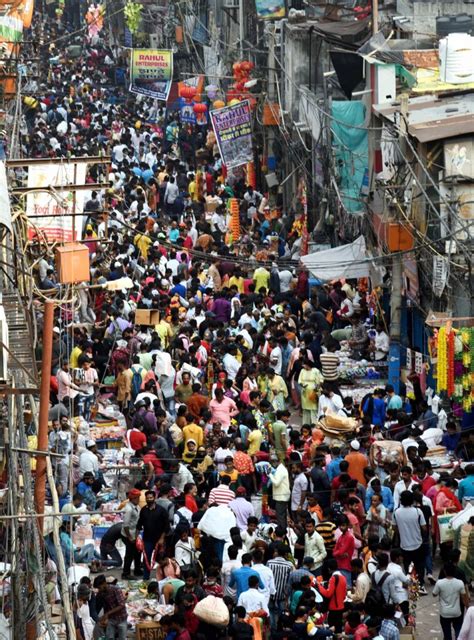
(187, 92)
(239, 86)
(200, 108)
(450, 363)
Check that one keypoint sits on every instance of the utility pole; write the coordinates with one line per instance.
(241, 28)
(397, 270)
(40, 483)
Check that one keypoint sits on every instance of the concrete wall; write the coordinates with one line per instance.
(423, 15)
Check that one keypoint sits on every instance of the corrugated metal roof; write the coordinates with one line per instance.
(434, 119)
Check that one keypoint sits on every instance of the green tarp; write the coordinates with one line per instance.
(350, 142)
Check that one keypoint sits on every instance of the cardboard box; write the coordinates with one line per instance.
(407, 633)
(149, 631)
(72, 263)
(148, 317)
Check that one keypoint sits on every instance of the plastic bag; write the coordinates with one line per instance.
(139, 544)
(446, 532)
(213, 611)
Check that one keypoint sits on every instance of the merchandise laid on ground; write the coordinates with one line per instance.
(236, 318)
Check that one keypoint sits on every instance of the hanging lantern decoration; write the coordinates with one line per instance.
(218, 104)
(200, 110)
(211, 91)
(235, 218)
(251, 175)
(187, 92)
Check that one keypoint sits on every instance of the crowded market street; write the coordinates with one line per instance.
(237, 373)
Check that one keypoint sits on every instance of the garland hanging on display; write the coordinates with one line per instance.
(442, 367)
(464, 369)
(450, 363)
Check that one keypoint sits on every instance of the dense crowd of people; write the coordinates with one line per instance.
(237, 492)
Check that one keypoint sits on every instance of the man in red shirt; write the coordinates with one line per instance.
(336, 592)
(135, 438)
(344, 549)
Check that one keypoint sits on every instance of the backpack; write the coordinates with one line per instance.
(375, 599)
(137, 381)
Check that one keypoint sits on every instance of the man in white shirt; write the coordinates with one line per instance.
(88, 460)
(265, 573)
(380, 344)
(286, 278)
(432, 437)
(276, 356)
(231, 364)
(399, 585)
(252, 599)
(329, 402)
(314, 545)
(226, 571)
(405, 484)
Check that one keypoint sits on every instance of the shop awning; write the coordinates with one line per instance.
(348, 261)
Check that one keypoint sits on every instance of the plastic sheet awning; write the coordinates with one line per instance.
(348, 261)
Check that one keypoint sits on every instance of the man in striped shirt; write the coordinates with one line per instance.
(329, 364)
(281, 569)
(326, 530)
(222, 494)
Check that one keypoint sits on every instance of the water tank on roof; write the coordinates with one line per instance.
(461, 23)
(456, 54)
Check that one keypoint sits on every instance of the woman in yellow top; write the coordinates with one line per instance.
(143, 244)
(278, 391)
(310, 379)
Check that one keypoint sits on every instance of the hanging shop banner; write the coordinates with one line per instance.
(270, 9)
(51, 214)
(418, 362)
(233, 129)
(409, 360)
(440, 274)
(151, 73)
(186, 113)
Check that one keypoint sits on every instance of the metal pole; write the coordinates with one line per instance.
(241, 28)
(397, 275)
(375, 16)
(40, 482)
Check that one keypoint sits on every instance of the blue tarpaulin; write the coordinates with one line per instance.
(352, 152)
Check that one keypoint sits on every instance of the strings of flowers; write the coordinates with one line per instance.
(464, 369)
(442, 367)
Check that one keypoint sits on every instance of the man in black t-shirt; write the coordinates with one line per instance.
(109, 554)
(154, 521)
(241, 630)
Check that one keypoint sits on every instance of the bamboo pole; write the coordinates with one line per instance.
(71, 627)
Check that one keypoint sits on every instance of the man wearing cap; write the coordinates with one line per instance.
(357, 463)
(242, 508)
(129, 534)
(88, 460)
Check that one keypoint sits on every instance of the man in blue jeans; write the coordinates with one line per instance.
(112, 600)
(155, 524)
